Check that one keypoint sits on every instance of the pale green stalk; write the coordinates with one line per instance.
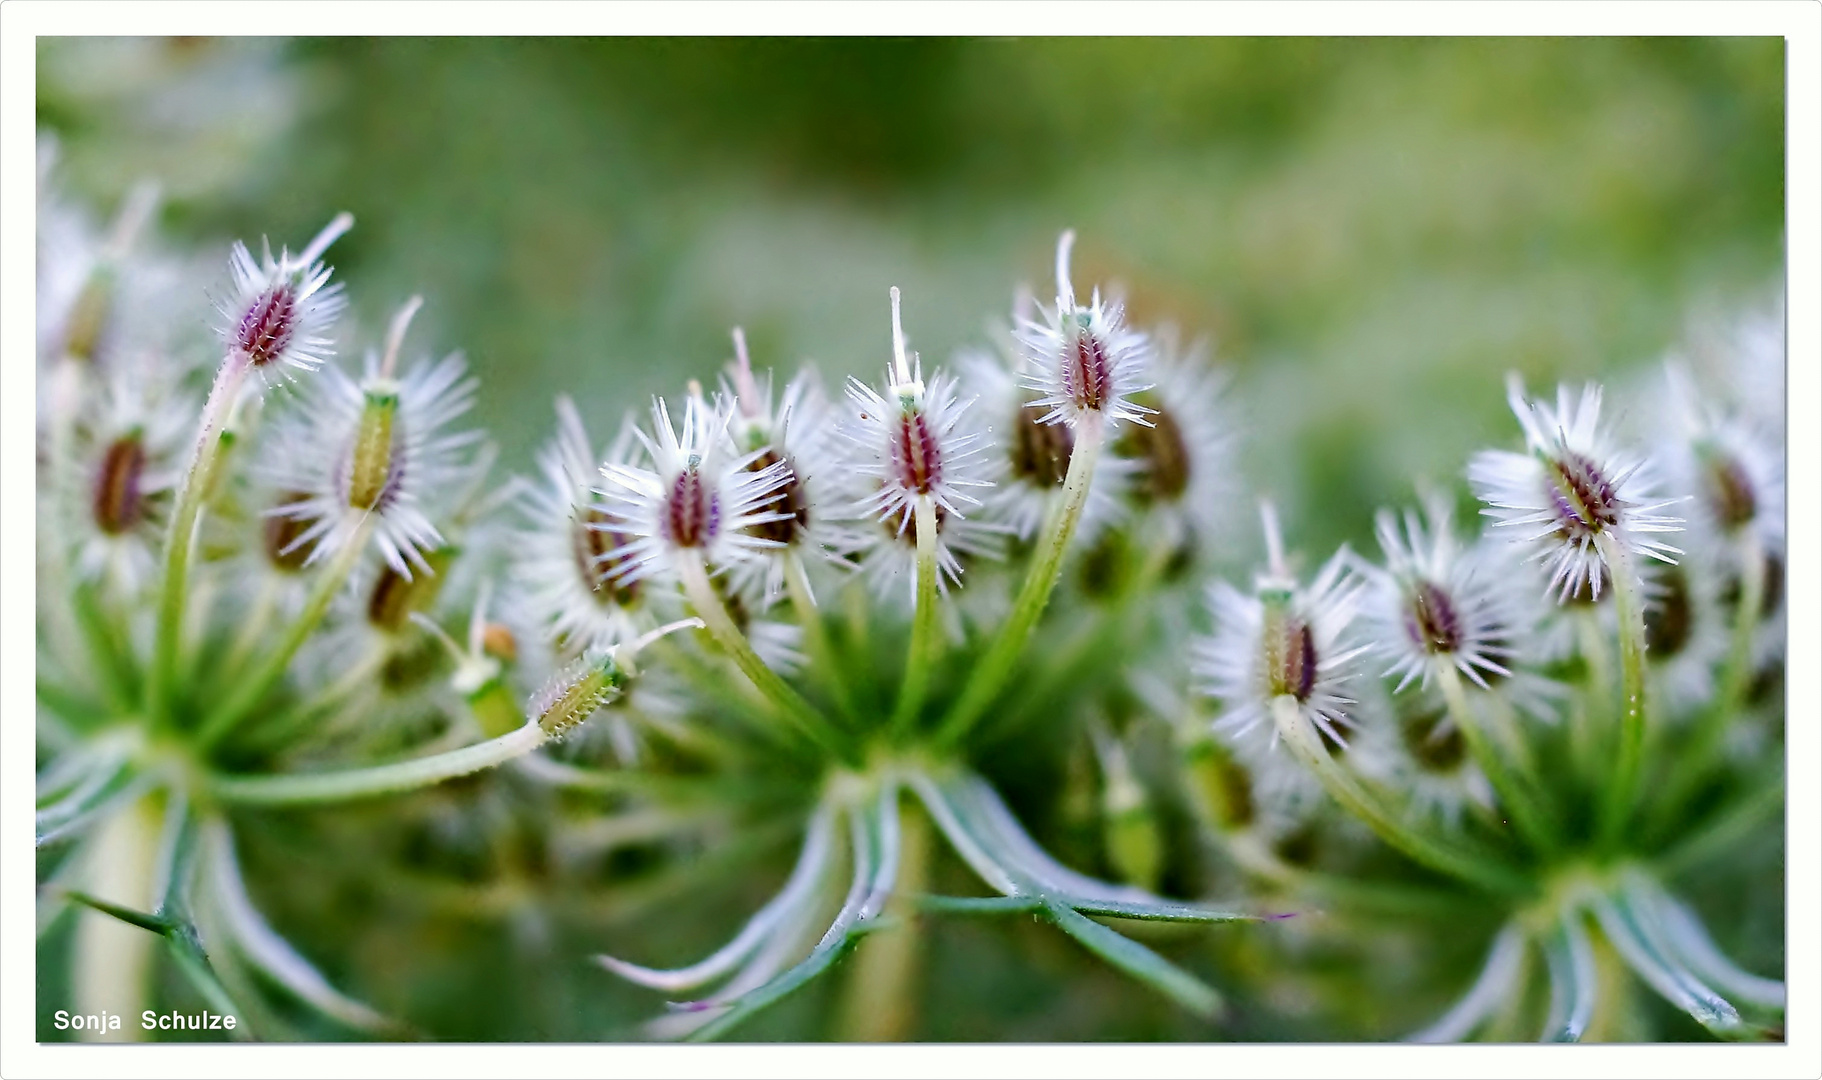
(823, 658)
(1588, 722)
(786, 701)
(181, 539)
(344, 785)
(1304, 742)
(990, 675)
(1514, 792)
(926, 634)
(1621, 791)
(249, 690)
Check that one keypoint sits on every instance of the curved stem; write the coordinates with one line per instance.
(926, 638)
(786, 701)
(343, 785)
(1622, 787)
(1300, 735)
(823, 658)
(249, 690)
(182, 537)
(1531, 818)
(990, 675)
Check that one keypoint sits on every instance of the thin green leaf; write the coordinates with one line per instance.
(185, 948)
(747, 1005)
(1153, 912)
(1137, 960)
(137, 918)
(979, 905)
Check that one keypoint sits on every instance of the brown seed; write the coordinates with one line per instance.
(120, 502)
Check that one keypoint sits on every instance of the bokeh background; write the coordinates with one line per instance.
(1370, 231)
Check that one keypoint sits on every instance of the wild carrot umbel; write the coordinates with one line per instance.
(881, 639)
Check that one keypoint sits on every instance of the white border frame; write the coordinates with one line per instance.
(1799, 22)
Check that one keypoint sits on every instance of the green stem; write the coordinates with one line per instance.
(181, 540)
(823, 658)
(1532, 821)
(926, 637)
(990, 675)
(249, 690)
(344, 785)
(1622, 788)
(1304, 742)
(786, 701)
(1588, 718)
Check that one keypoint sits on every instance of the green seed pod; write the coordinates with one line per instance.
(371, 464)
(574, 696)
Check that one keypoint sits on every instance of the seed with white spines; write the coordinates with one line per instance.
(1083, 362)
(378, 449)
(1181, 463)
(568, 553)
(697, 498)
(281, 310)
(791, 435)
(1285, 640)
(1569, 488)
(914, 440)
(1028, 460)
(1431, 605)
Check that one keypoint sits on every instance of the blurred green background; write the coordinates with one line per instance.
(1371, 230)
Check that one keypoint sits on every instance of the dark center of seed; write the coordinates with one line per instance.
(1431, 620)
(1731, 492)
(594, 545)
(1087, 371)
(1040, 452)
(120, 502)
(1162, 457)
(268, 326)
(1291, 659)
(692, 512)
(792, 499)
(1584, 499)
(919, 457)
(1670, 617)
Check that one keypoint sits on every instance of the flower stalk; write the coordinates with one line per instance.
(786, 701)
(926, 634)
(1622, 788)
(1301, 737)
(989, 676)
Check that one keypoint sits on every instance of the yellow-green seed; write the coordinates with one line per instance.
(370, 466)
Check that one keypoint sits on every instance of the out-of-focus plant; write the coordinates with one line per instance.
(269, 582)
